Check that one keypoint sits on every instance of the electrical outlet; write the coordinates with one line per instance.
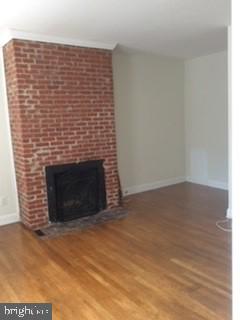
(3, 201)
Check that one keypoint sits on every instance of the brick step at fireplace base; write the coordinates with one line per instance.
(61, 228)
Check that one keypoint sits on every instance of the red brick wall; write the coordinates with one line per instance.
(61, 111)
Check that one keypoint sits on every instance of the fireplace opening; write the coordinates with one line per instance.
(75, 190)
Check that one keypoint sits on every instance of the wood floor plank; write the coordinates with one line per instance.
(166, 261)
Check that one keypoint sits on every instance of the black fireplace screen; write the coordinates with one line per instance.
(75, 190)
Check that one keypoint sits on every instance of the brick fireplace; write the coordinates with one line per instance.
(61, 112)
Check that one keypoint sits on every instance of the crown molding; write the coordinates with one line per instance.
(9, 34)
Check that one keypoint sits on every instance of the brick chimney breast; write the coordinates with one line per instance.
(61, 111)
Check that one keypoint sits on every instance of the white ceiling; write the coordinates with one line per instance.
(181, 28)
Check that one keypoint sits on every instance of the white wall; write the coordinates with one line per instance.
(206, 120)
(229, 80)
(234, 130)
(149, 104)
(8, 193)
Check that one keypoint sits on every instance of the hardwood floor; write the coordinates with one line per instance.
(166, 261)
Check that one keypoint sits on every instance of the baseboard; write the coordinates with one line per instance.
(209, 183)
(9, 218)
(218, 184)
(153, 185)
(229, 213)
